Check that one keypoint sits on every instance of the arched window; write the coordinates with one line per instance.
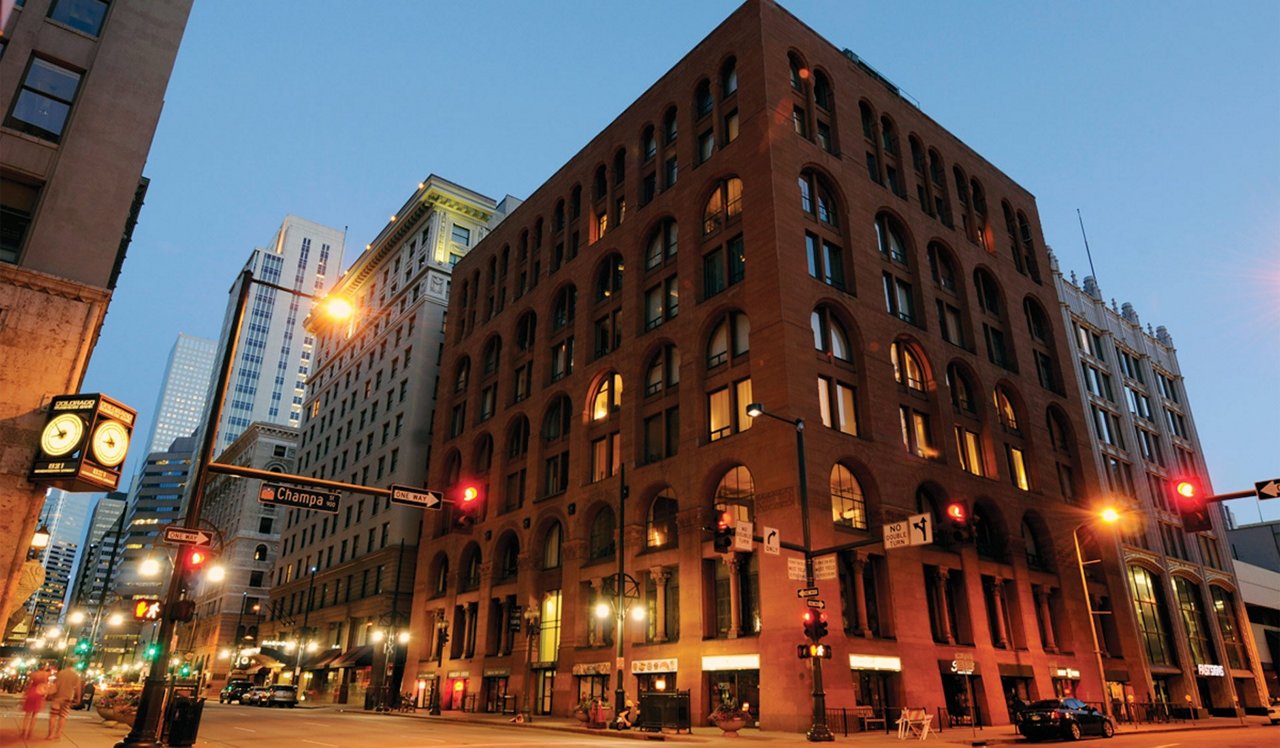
(723, 205)
(470, 579)
(462, 375)
(799, 74)
(563, 308)
(1042, 348)
(848, 505)
(829, 335)
(736, 493)
(441, 584)
(260, 553)
(1038, 556)
(508, 561)
(1224, 607)
(600, 540)
(1059, 431)
(823, 94)
(1005, 410)
(662, 244)
(729, 339)
(600, 183)
(555, 425)
(660, 526)
(962, 391)
(483, 459)
(1150, 612)
(728, 78)
(988, 292)
(868, 118)
(663, 371)
(557, 217)
(492, 355)
(907, 369)
(607, 398)
(518, 438)
(817, 198)
(987, 535)
(702, 99)
(649, 143)
(938, 181)
(889, 241)
(609, 277)
(526, 331)
(551, 542)
(669, 129)
(942, 267)
(620, 166)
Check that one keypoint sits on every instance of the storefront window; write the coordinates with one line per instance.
(1147, 608)
(1225, 609)
(549, 636)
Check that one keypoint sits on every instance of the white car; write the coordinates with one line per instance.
(1273, 712)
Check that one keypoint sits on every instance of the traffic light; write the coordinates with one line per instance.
(1192, 506)
(151, 652)
(959, 522)
(724, 532)
(185, 670)
(196, 559)
(467, 506)
(815, 625)
(82, 646)
(183, 611)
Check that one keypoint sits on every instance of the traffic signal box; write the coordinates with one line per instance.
(467, 507)
(959, 523)
(813, 651)
(1192, 506)
(815, 625)
(724, 532)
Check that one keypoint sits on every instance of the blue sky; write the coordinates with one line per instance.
(1160, 121)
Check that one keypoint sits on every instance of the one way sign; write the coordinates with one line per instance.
(183, 536)
(1268, 489)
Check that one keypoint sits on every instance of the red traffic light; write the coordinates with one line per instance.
(1187, 489)
(196, 558)
(725, 521)
(957, 512)
(470, 494)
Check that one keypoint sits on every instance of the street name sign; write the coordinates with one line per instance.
(742, 531)
(816, 604)
(772, 541)
(183, 536)
(420, 497)
(1268, 489)
(804, 592)
(302, 498)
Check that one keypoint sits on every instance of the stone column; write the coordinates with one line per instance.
(860, 595)
(735, 595)
(997, 595)
(660, 577)
(1046, 615)
(944, 613)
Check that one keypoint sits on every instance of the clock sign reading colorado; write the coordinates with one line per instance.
(62, 435)
(110, 443)
(84, 443)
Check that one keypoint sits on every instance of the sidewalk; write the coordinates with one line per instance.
(1003, 734)
(82, 729)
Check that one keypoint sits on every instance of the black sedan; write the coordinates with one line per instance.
(234, 691)
(1064, 718)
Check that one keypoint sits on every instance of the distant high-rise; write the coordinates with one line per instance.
(46, 605)
(155, 500)
(101, 543)
(269, 374)
(184, 391)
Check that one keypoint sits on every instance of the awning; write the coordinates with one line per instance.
(354, 657)
(273, 654)
(1017, 671)
(321, 659)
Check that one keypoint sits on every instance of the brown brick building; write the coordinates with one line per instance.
(770, 222)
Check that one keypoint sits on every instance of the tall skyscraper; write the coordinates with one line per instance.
(1182, 604)
(100, 544)
(47, 605)
(269, 375)
(368, 422)
(179, 409)
(81, 96)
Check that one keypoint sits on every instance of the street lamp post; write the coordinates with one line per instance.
(306, 613)
(818, 730)
(620, 625)
(146, 726)
(532, 627)
(442, 636)
(1088, 606)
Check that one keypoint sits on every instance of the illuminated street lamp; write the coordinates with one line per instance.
(39, 541)
(1110, 516)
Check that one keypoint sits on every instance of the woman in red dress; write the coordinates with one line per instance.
(33, 700)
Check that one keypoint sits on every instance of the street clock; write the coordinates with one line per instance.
(84, 443)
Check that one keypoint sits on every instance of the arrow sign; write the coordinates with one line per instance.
(183, 536)
(804, 592)
(814, 602)
(772, 543)
(419, 497)
(1268, 489)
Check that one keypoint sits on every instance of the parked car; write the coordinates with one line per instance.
(234, 691)
(1064, 718)
(282, 696)
(1273, 712)
(256, 696)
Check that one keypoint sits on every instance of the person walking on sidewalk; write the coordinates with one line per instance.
(33, 700)
(65, 693)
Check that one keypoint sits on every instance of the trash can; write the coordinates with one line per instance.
(184, 719)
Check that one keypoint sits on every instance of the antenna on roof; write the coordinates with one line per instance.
(1087, 253)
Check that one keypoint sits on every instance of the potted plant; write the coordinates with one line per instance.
(582, 712)
(728, 715)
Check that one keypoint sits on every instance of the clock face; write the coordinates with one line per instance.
(110, 443)
(62, 435)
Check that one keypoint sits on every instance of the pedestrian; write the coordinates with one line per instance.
(89, 690)
(65, 693)
(33, 700)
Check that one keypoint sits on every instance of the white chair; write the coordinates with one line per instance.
(914, 723)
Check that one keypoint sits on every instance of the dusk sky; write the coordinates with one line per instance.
(1159, 121)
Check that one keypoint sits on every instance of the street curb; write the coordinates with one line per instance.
(551, 727)
(1011, 739)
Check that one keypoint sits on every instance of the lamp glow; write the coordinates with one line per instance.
(1110, 515)
(377, 636)
(76, 618)
(217, 573)
(149, 567)
(638, 614)
(337, 308)
(602, 610)
(403, 638)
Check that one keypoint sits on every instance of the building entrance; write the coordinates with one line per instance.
(739, 686)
